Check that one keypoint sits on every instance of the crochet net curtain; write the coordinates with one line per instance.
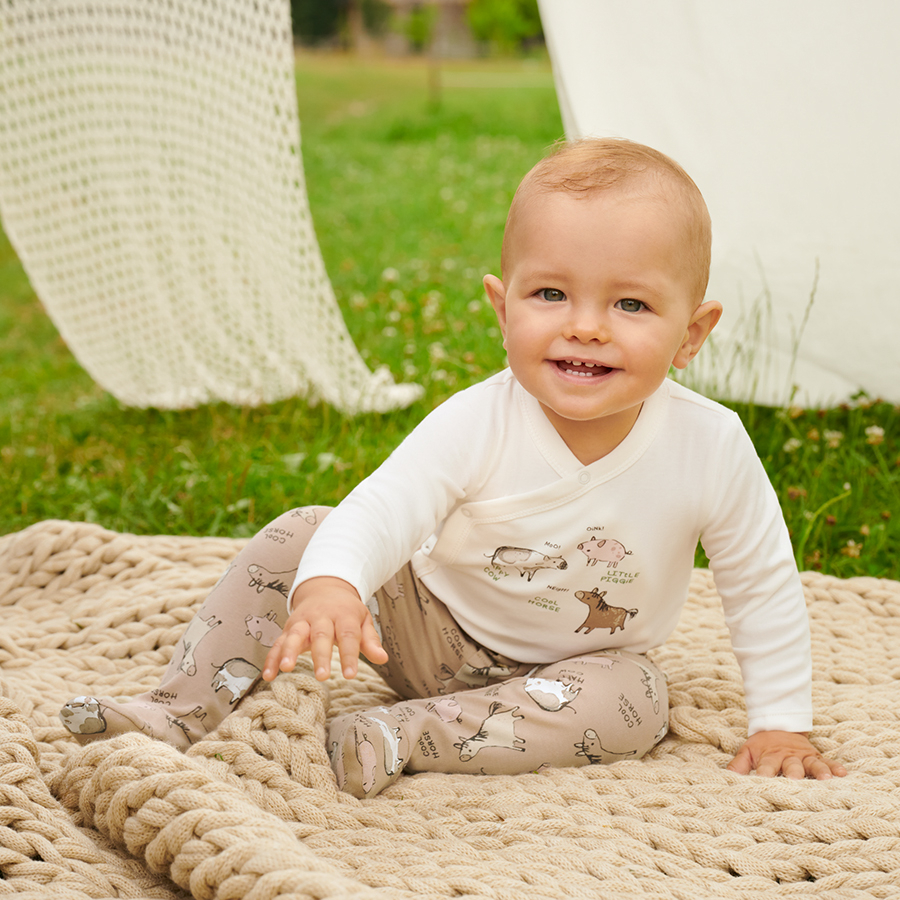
(152, 186)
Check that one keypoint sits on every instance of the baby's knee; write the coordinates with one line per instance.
(621, 700)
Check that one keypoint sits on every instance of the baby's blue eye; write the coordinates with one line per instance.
(551, 294)
(629, 305)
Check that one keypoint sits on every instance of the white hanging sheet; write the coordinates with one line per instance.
(785, 113)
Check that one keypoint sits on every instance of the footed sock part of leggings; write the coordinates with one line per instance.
(368, 751)
(92, 718)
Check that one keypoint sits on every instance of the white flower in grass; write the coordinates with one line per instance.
(326, 461)
(874, 434)
(833, 439)
(792, 445)
(293, 461)
(390, 274)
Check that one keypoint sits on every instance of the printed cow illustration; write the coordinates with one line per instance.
(83, 715)
(263, 628)
(591, 747)
(195, 632)
(525, 562)
(391, 738)
(551, 695)
(610, 552)
(497, 730)
(237, 675)
(600, 614)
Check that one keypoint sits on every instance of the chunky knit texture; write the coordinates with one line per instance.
(252, 811)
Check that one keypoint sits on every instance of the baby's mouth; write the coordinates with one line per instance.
(582, 369)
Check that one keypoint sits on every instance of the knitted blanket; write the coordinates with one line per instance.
(252, 810)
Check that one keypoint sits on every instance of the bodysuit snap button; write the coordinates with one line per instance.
(584, 477)
(467, 513)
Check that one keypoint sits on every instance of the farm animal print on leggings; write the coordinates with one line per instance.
(462, 707)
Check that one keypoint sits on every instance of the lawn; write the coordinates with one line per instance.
(409, 177)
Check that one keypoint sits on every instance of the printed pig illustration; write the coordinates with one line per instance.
(369, 734)
(610, 552)
(237, 675)
(263, 629)
(524, 561)
(600, 614)
(497, 730)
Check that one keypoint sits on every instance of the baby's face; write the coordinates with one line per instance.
(597, 303)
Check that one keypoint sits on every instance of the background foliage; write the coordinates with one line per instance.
(506, 24)
(409, 190)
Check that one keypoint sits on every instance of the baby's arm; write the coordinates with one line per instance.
(762, 595)
(325, 612)
(783, 753)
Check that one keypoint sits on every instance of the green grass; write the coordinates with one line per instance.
(409, 188)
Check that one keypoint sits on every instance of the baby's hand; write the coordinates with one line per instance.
(326, 611)
(783, 753)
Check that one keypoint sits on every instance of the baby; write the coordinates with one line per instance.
(509, 566)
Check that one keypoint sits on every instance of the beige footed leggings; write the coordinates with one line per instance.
(464, 708)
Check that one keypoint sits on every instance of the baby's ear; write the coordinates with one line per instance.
(704, 319)
(496, 293)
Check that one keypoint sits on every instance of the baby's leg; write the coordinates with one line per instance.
(220, 655)
(599, 708)
(474, 711)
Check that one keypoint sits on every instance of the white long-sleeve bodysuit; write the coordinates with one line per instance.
(540, 558)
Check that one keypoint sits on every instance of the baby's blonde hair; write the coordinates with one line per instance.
(593, 165)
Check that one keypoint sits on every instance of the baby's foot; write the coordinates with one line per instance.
(91, 718)
(368, 751)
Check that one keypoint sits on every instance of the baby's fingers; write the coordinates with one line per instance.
(288, 646)
(823, 768)
(321, 642)
(371, 644)
(356, 638)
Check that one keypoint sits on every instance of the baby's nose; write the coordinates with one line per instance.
(588, 326)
